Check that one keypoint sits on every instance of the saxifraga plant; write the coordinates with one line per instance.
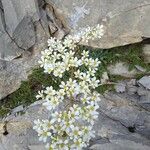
(73, 106)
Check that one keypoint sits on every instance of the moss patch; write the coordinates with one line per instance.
(130, 54)
(25, 95)
(106, 87)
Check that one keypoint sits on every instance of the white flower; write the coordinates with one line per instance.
(48, 68)
(84, 87)
(96, 63)
(48, 124)
(75, 132)
(85, 99)
(78, 74)
(56, 56)
(95, 97)
(47, 146)
(104, 78)
(40, 95)
(88, 133)
(79, 144)
(58, 72)
(69, 42)
(73, 104)
(38, 125)
(91, 72)
(74, 62)
(50, 91)
(100, 31)
(94, 82)
(60, 48)
(85, 77)
(46, 53)
(85, 54)
(52, 103)
(92, 33)
(61, 93)
(42, 61)
(43, 135)
(63, 86)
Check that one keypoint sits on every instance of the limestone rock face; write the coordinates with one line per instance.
(24, 25)
(15, 22)
(123, 123)
(17, 70)
(16, 10)
(146, 53)
(126, 21)
(121, 69)
(24, 34)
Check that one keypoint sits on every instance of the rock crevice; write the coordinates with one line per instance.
(121, 124)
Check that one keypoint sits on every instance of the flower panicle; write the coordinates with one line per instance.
(72, 127)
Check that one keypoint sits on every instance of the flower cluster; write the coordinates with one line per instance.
(73, 106)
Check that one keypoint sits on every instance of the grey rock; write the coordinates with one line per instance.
(140, 68)
(107, 146)
(56, 24)
(21, 135)
(8, 48)
(24, 34)
(53, 28)
(130, 18)
(2, 64)
(143, 125)
(18, 31)
(131, 90)
(121, 69)
(145, 81)
(1, 7)
(16, 10)
(44, 21)
(131, 82)
(142, 91)
(36, 147)
(124, 118)
(9, 11)
(17, 109)
(146, 53)
(17, 70)
(40, 102)
(120, 107)
(120, 87)
(60, 34)
(119, 145)
(1, 19)
(145, 98)
(7, 45)
(117, 114)
(14, 73)
(145, 101)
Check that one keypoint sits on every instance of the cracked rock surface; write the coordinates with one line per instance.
(18, 25)
(24, 25)
(130, 17)
(126, 21)
(123, 123)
